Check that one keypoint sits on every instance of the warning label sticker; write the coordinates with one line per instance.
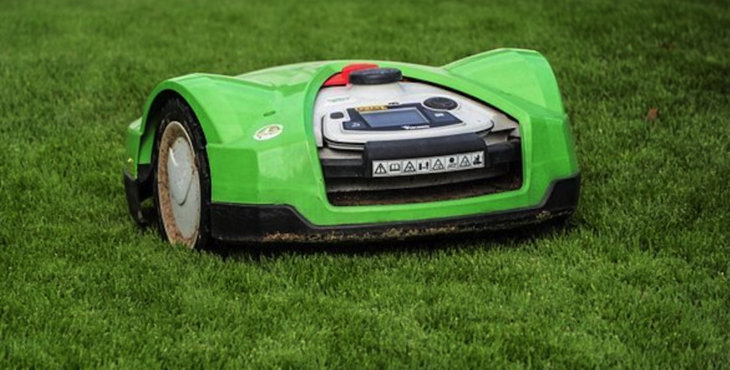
(426, 165)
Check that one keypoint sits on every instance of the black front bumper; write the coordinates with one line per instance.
(280, 223)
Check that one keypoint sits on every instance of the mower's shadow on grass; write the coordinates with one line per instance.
(513, 237)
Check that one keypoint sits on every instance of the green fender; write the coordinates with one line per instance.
(523, 74)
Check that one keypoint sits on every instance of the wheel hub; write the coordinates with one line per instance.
(178, 185)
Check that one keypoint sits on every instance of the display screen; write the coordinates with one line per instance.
(394, 117)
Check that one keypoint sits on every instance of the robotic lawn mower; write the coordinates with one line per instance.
(344, 150)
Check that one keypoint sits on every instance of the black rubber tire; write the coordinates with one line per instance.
(176, 109)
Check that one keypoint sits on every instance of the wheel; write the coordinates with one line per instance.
(182, 182)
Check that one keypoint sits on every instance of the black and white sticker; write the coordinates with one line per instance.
(426, 165)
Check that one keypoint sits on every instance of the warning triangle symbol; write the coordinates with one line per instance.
(409, 167)
(380, 170)
(464, 162)
(438, 165)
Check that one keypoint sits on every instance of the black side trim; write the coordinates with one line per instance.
(350, 167)
(414, 148)
(411, 148)
(261, 223)
(506, 152)
(496, 154)
(138, 190)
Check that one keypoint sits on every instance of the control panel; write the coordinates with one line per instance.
(377, 105)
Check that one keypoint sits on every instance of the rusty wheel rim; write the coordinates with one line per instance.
(178, 186)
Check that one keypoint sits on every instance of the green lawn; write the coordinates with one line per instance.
(638, 279)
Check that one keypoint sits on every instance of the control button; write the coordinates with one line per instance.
(353, 125)
(440, 118)
(337, 115)
(440, 102)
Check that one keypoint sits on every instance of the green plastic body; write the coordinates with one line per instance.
(286, 170)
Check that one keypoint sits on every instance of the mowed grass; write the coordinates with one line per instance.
(638, 278)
